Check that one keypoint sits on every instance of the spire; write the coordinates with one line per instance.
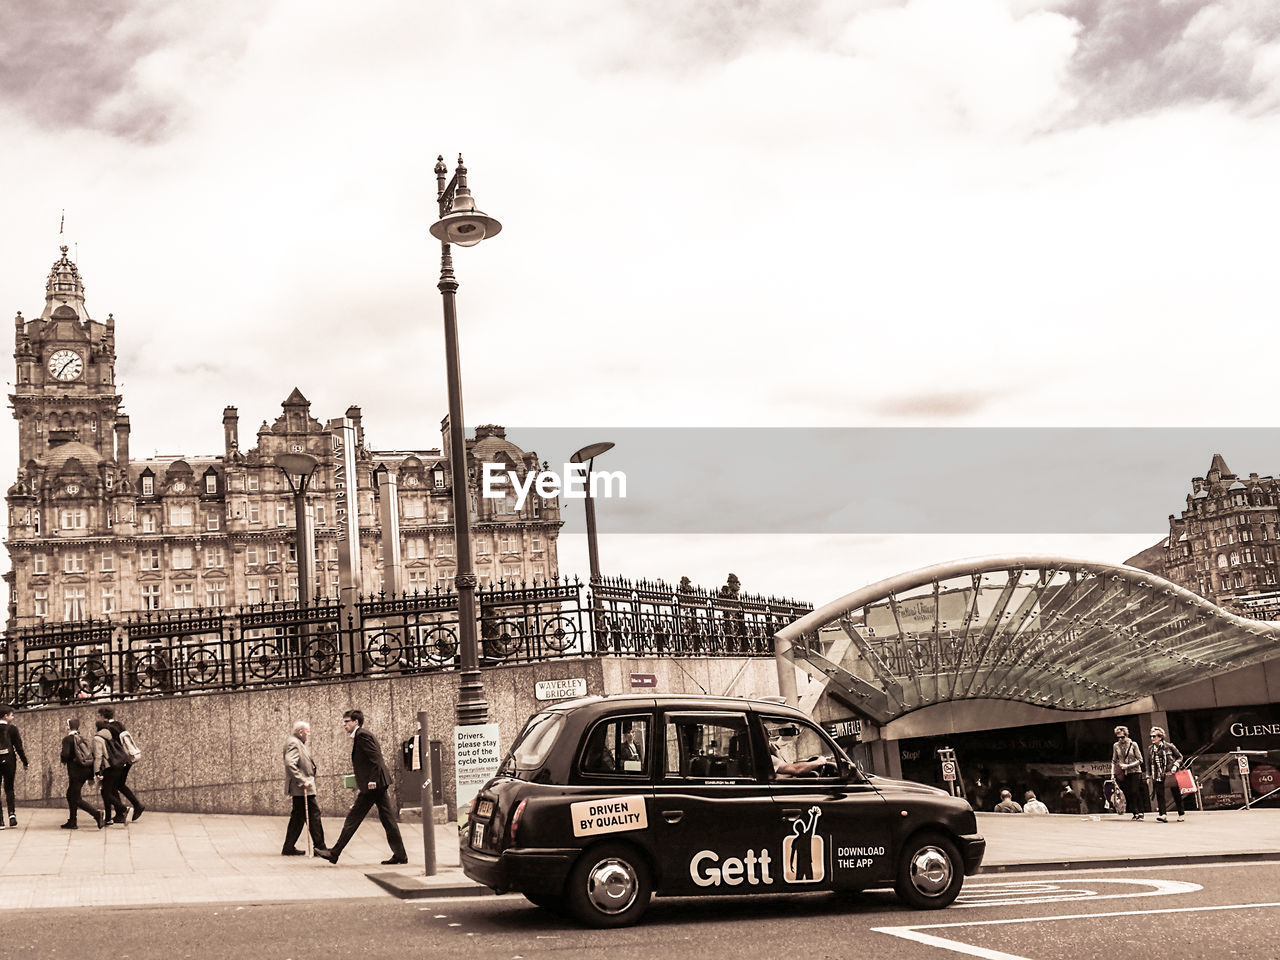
(1219, 466)
(64, 291)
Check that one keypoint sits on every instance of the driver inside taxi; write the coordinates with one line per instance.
(793, 768)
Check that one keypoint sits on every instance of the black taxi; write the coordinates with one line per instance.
(603, 801)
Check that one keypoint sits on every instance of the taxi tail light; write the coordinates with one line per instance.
(515, 822)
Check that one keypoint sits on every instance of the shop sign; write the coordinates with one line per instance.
(843, 728)
(1264, 779)
(565, 689)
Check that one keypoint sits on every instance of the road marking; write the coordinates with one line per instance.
(914, 933)
(1020, 892)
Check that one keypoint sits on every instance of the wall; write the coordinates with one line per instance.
(221, 752)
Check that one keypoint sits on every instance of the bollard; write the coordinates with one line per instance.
(428, 804)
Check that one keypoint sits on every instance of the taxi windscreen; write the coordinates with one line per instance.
(533, 745)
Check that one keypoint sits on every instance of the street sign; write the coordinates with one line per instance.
(475, 760)
(948, 769)
(843, 728)
(644, 680)
(1244, 765)
(560, 689)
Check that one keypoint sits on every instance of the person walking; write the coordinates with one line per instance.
(300, 784)
(107, 763)
(118, 728)
(372, 783)
(10, 753)
(1126, 769)
(77, 757)
(1164, 760)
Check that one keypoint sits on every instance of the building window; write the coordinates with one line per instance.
(149, 559)
(273, 589)
(111, 481)
(255, 513)
(148, 522)
(182, 516)
(443, 514)
(72, 519)
(108, 564)
(212, 557)
(215, 594)
(293, 552)
(438, 475)
(535, 545)
(151, 596)
(38, 565)
(35, 521)
(418, 580)
(182, 558)
(415, 548)
(148, 485)
(184, 595)
(444, 549)
(322, 515)
(508, 544)
(273, 553)
(108, 599)
(510, 572)
(413, 508)
(282, 515)
(210, 483)
(211, 520)
(254, 588)
(444, 579)
(253, 483)
(73, 605)
(40, 603)
(251, 556)
(73, 562)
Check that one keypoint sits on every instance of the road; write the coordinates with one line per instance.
(1178, 913)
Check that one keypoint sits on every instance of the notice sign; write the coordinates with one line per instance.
(948, 769)
(644, 680)
(560, 689)
(475, 760)
(612, 815)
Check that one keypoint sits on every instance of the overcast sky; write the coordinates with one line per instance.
(840, 213)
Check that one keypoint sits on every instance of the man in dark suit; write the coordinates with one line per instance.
(372, 784)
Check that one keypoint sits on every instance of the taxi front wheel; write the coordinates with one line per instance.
(930, 872)
(609, 886)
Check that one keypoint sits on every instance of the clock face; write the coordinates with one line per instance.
(66, 364)
(73, 488)
(179, 487)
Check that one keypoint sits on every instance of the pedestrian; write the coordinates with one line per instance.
(1126, 768)
(1007, 804)
(107, 765)
(300, 784)
(1164, 760)
(1031, 805)
(372, 784)
(10, 753)
(77, 757)
(118, 728)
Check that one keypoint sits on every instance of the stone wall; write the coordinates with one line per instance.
(221, 752)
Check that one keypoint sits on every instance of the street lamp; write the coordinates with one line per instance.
(461, 223)
(588, 456)
(300, 466)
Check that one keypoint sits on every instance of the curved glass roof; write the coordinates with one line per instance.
(1047, 630)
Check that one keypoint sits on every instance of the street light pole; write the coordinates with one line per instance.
(462, 224)
(302, 466)
(588, 455)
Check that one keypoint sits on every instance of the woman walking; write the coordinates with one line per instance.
(104, 752)
(1165, 760)
(75, 752)
(1126, 769)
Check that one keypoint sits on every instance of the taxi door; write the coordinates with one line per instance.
(832, 832)
(711, 801)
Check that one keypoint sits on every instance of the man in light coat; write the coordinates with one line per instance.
(300, 784)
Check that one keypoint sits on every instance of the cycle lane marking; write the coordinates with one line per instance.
(1020, 892)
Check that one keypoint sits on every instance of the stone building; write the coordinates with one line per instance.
(1225, 544)
(96, 533)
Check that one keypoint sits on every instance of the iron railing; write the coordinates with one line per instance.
(163, 652)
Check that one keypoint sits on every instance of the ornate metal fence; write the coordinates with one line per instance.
(179, 651)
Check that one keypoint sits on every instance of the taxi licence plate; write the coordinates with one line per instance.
(485, 808)
(477, 835)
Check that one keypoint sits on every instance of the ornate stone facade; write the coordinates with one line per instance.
(95, 533)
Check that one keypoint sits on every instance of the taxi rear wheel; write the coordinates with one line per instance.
(609, 886)
(930, 872)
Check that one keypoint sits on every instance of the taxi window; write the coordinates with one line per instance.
(708, 748)
(618, 746)
(534, 744)
(791, 740)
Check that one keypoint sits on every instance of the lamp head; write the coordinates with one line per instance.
(465, 227)
(296, 464)
(591, 451)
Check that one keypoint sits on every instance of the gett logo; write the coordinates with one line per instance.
(707, 870)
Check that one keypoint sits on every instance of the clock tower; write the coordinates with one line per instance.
(69, 425)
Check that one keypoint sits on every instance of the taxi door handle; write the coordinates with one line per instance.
(791, 813)
(673, 816)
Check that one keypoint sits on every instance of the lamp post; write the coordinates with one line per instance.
(461, 223)
(588, 456)
(300, 466)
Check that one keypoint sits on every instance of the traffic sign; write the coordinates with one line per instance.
(948, 769)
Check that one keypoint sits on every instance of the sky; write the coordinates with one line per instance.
(767, 213)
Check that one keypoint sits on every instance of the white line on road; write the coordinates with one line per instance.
(914, 932)
(1019, 892)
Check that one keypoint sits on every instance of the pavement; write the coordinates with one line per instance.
(166, 858)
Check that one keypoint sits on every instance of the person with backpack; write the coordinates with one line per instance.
(77, 757)
(133, 755)
(108, 765)
(10, 753)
